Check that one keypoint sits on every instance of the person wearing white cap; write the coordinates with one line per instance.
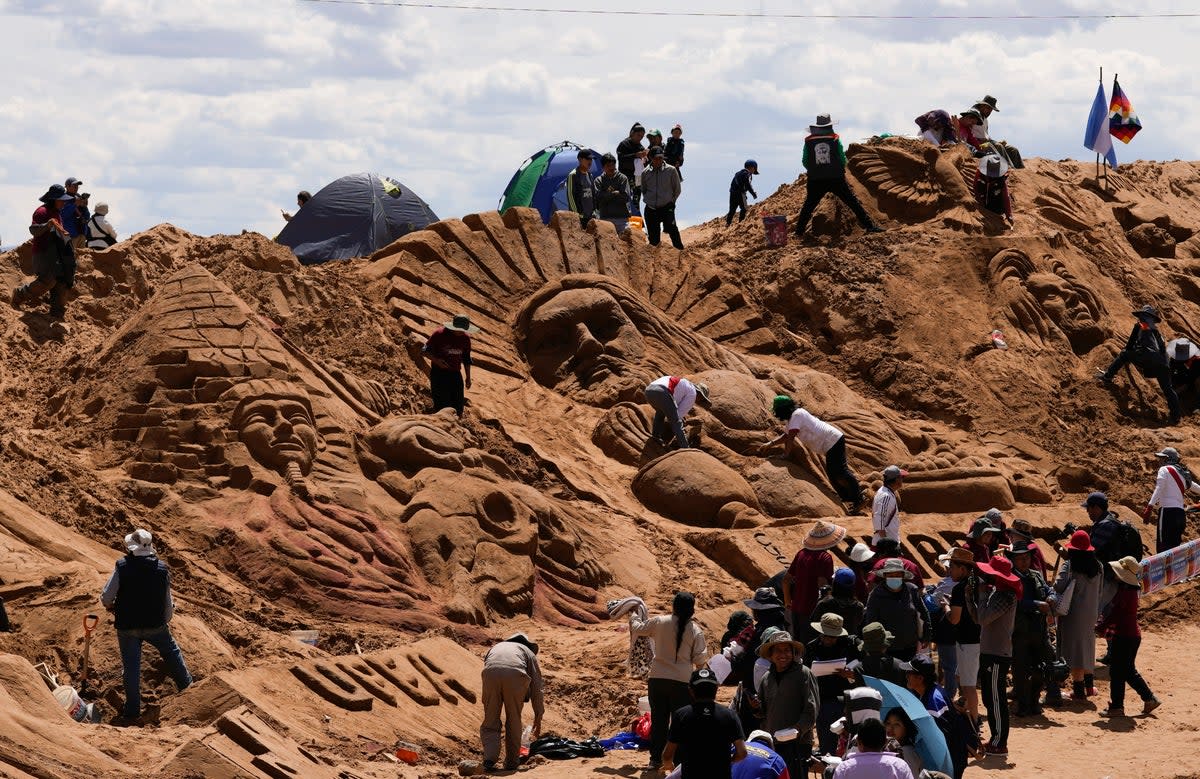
(1171, 486)
(672, 397)
(139, 595)
(100, 232)
(885, 507)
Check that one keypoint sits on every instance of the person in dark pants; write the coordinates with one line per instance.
(825, 160)
(738, 188)
(1121, 625)
(139, 595)
(1031, 637)
(449, 351)
(822, 438)
(789, 699)
(1148, 352)
(1171, 486)
(996, 611)
(661, 187)
(580, 189)
(833, 642)
(631, 157)
(672, 397)
(705, 736)
(53, 254)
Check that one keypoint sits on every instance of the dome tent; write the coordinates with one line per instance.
(353, 217)
(539, 182)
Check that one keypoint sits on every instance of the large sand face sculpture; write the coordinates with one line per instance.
(1044, 302)
(271, 451)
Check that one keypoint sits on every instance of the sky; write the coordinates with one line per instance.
(212, 114)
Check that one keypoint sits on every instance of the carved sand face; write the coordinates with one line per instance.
(583, 339)
(278, 431)
(1066, 304)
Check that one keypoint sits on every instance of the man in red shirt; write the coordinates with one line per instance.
(449, 351)
(53, 257)
(811, 569)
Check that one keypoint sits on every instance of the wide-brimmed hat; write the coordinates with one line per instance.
(999, 568)
(861, 553)
(521, 638)
(988, 101)
(55, 192)
(462, 323)
(1022, 527)
(764, 599)
(102, 209)
(1170, 453)
(771, 640)
(1020, 547)
(876, 637)
(974, 113)
(981, 526)
(892, 566)
(701, 390)
(824, 122)
(1147, 312)
(1182, 349)
(893, 472)
(1128, 569)
(1080, 542)
(831, 625)
(993, 166)
(140, 543)
(960, 555)
(824, 535)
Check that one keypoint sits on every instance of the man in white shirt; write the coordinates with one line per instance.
(672, 397)
(885, 508)
(1170, 487)
(870, 761)
(822, 438)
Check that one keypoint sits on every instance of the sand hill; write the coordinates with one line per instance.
(410, 541)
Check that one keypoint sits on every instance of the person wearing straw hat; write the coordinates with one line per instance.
(885, 506)
(831, 648)
(53, 254)
(139, 595)
(822, 438)
(511, 675)
(1031, 633)
(1147, 351)
(811, 569)
(898, 605)
(672, 397)
(1171, 485)
(991, 185)
(962, 613)
(997, 611)
(449, 352)
(1077, 590)
(1121, 625)
(789, 699)
(825, 161)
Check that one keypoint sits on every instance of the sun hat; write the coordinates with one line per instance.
(782, 406)
(1182, 349)
(1020, 547)
(861, 553)
(876, 637)
(521, 638)
(893, 472)
(703, 676)
(1147, 312)
(993, 166)
(981, 526)
(461, 323)
(1170, 453)
(701, 390)
(102, 209)
(55, 192)
(762, 737)
(844, 577)
(893, 566)
(1022, 527)
(1095, 499)
(140, 543)
(1128, 569)
(771, 640)
(831, 625)
(824, 122)
(1000, 568)
(824, 535)
(988, 101)
(960, 555)
(1080, 542)
(764, 599)
(974, 113)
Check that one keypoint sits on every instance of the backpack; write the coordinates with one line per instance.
(1128, 541)
(94, 233)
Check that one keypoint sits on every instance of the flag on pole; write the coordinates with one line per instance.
(1123, 122)
(1096, 136)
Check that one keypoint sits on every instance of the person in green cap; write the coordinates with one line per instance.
(823, 438)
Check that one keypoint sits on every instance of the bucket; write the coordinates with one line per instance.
(75, 706)
(776, 227)
(635, 223)
(306, 636)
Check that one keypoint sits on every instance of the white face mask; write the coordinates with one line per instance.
(893, 584)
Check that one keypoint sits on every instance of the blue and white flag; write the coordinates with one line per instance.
(1097, 137)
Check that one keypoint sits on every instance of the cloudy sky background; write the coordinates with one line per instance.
(211, 114)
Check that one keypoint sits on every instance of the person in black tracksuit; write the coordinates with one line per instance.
(1147, 350)
(742, 183)
(825, 160)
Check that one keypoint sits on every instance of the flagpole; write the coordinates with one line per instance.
(1103, 177)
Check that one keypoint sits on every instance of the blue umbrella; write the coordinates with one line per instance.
(930, 743)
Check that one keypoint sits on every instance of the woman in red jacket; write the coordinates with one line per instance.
(1121, 625)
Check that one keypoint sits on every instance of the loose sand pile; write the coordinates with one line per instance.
(412, 541)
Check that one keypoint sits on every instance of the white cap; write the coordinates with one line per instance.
(140, 543)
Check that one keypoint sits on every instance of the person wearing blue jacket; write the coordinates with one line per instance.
(738, 188)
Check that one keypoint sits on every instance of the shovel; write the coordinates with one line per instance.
(89, 624)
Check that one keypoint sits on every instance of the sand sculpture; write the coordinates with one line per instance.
(1044, 302)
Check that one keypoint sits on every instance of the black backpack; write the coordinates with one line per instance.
(1128, 540)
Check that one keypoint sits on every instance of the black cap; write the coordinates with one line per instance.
(704, 676)
(56, 192)
(74, 180)
(655, 151)
(1096, 499)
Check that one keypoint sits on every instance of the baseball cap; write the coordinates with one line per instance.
(704, 676)
(73, 180)
(1096, 499)
(655, 151)
(893, 472)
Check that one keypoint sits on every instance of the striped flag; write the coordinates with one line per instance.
(1096, 136)
(1123, 122)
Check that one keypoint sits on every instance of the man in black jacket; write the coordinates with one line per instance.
(139, 595)
(612, 194)
(1148, 352)
(631, 158)
(824, 160)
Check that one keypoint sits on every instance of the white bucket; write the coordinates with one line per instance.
(75, 706)
(644, 705)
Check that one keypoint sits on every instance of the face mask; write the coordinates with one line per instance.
(894, 584)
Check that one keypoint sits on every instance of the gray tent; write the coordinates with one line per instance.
(353, 217)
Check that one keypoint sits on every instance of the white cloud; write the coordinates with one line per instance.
(212, 115)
